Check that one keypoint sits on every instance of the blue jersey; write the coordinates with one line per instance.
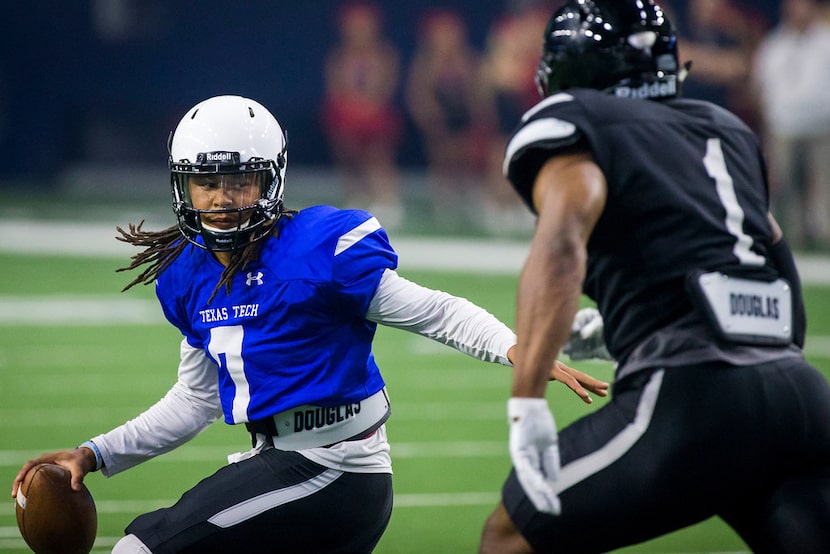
(292, 331)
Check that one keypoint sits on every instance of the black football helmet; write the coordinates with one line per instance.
(623, 47)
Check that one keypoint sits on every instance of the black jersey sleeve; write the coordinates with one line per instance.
(538, 137)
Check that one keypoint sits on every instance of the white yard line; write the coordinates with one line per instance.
(63, 309)
(402, 500)
(486, 255)
(400, 450)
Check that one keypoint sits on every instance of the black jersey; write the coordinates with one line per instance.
(687, 190)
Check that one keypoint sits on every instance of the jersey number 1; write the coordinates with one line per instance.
(715, 164)
(226, 348)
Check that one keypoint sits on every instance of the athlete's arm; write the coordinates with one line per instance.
(189, 407)
(460, 324)
(782, 258)
(569, 195)
(448, 319)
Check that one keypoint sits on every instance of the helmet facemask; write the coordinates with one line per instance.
(255, 185)
(234, 147)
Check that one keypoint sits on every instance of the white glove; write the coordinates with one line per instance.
(586, 340)
(534, 449)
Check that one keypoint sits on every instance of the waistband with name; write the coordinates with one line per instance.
(321, 426)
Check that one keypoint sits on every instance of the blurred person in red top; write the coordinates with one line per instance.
(511, 55)
(445, 99)
(359, 114)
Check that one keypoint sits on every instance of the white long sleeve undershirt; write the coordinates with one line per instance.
(192, 404)
(187, 409)
(440, 316)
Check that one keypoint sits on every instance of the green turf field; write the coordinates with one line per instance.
(63, 382)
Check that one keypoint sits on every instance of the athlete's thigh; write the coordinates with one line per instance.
(787, 507)
(275, 501)
(628, 472)
(793, 518)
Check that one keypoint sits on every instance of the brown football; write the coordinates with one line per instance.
(53, 518)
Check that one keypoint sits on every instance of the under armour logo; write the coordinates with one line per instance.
(251, 278)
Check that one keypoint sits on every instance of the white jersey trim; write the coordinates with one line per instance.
(264, 502)
(549, 101)
(541, 129)
(582, 468)
(354, 236)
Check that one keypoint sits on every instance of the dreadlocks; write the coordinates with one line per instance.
(161, 248)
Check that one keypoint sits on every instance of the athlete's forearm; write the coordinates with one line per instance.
(440, 316)
(187, 409)
(171, 422)
(547, 300)
(569, 196)
(782, 258)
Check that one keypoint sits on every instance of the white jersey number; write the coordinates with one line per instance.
(226, 348)
(716, 168)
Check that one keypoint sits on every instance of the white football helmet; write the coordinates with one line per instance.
(228, 135)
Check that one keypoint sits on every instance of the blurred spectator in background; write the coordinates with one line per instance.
(792, 80)
(359, 115)
(446, 101)
(719, 36)
(511, 55)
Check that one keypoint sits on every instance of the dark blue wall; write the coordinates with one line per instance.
(68, 95)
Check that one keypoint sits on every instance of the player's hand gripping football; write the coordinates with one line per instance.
(76, 461)
(534, 449)
(586, 341)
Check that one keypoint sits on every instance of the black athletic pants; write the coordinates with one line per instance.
(276, 501)
(676, 446)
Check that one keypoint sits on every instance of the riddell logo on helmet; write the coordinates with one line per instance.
(217, 158)
(652, 90)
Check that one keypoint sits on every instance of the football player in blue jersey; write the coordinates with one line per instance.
(278, 309)
(656, 207)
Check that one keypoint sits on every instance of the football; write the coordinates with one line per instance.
(51, 516)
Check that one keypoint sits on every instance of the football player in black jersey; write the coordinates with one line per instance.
(656, 207)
